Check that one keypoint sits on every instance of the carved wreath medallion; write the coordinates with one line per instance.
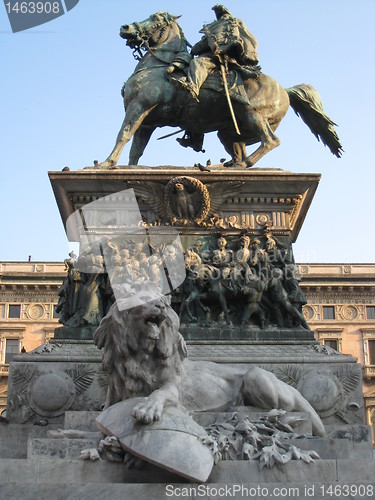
(35, 311)
(186, 199)
(308, 312)
(349, 313)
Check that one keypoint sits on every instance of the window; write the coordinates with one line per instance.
(328, 312)
(14, 311)
(370, 312)
(332, 343)
(371, 352)
(12, 347)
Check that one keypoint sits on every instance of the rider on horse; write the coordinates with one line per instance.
(225, 40)
(259, 102)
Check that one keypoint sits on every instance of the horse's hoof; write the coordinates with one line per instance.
(104, 165)
(228, 164)
(98, 166)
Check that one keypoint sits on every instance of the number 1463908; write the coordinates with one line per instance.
(348, 490)
(33, 7)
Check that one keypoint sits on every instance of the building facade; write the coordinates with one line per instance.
(28, 297)
(340, 311)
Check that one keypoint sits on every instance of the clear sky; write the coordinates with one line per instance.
(61, 105)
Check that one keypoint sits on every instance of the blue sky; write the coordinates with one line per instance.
(61, 105)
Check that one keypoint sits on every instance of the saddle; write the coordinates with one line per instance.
(235, 82)
(236, 88)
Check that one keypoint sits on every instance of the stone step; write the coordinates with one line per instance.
(232, 472)
(350, 440)
(61, 448)
(356, 470)
(81, 420)
(323, 471)
(51, 470)
(64, 448)
(326, 448)
(14, 438)
(110, 491)
(48, 470)
(358, 435)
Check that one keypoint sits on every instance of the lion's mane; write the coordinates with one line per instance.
(132, 370)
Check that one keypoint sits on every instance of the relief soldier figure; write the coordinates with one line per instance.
(81, 294)
(281, 303)
(237, 281)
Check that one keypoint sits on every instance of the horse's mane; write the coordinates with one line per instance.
(170, 18)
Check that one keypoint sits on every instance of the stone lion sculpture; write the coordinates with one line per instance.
(145, 356)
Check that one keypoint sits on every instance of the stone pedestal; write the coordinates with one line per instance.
(65, 376)
(268, 206)
(74, 333)
(256, 202)
(244, 200)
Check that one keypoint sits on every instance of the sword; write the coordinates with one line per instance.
(216, 52)
(169, 135)
(225, 83)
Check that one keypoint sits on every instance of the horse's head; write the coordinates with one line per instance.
(151, 32)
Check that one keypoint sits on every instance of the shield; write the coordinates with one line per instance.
(172, 443)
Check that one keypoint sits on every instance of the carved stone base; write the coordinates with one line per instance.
(225, 332)
(268, 206)
(78, 333)
(55, 378)
(330, 381)
(236, 229)
(66, 376)
(34, 465)
(243, 199)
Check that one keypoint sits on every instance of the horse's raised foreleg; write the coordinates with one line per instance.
(135, 114)
(139, 143)
(261, 127)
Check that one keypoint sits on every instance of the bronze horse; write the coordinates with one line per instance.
(152, 101)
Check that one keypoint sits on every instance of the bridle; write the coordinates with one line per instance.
(143, 36)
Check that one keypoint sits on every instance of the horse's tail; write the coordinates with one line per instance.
(306, 102)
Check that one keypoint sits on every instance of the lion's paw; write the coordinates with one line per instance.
(147, 411)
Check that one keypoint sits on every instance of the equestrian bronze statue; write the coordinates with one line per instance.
(218, 85)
